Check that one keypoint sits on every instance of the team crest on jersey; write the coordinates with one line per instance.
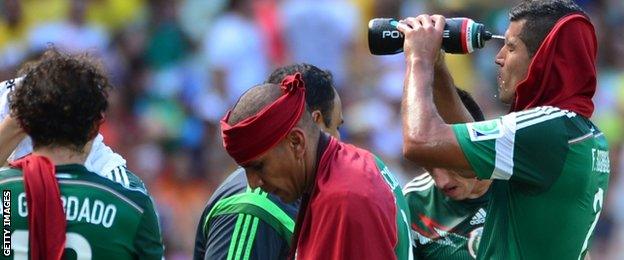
(474, 239)
(485, 130)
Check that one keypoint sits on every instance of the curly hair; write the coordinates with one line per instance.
(61, 100)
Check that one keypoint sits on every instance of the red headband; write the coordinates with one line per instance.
(258, 133)
(563, 71)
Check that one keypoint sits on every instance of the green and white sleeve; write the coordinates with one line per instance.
(528, 146)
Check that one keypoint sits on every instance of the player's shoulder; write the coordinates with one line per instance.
(419, 190)
(235, 183)
(360, 163)
(236, 186)
(134, 181)
(364, 191)
(539, 116)
(551, 124)
(356, 156)
(541, 122)
(133, 194)
(421, 184)
(126, 178)
(8, 174)
(354, 175)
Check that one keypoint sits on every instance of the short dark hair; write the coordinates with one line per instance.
(471, 105)
(540, 17)
(61, 100)
(320, 91)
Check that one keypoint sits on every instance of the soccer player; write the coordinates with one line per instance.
(222, 232)
(14, 144)
(549, 163)
(351, 207)
(59, 208)
(447, 210)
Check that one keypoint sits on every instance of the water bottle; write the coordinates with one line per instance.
(460, 36)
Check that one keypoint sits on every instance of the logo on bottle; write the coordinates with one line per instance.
(391, 34)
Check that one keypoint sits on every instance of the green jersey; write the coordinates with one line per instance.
(403, 248)
(443, 228)
(550, 169)
(105, 220)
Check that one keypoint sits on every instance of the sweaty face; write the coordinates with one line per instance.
(455, 186)
(278, 171)
(336, 119)
(514, 60)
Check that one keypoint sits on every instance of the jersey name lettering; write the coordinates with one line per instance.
(79, 210)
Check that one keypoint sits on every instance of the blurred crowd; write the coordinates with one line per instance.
(179, 65)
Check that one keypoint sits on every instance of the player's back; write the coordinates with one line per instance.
(105, 220)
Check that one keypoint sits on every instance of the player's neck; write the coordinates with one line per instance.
(481, 187)
(319, 145)
(61, 155)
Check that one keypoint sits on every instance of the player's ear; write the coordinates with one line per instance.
(318, 119)
(297, 141)
(93, 132)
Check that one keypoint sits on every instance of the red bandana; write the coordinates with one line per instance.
(257, 134)
(46, 219)
(563, 71)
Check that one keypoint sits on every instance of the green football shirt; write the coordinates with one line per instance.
(403, 248)
(443, 228)
(105, 220)
(550, 169)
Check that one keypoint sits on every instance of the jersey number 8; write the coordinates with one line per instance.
(74, 241)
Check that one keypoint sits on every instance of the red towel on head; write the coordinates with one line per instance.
(563, 71)
(257, 134)
(46, 219)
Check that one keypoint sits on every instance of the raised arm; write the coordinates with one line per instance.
(10, 132)
(10, 136)
(445, 98)
(427, 140)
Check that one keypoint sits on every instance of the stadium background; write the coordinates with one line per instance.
(166, 59)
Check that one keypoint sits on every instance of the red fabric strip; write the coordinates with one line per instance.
(257, 134)
(563, 71)
(46, 219)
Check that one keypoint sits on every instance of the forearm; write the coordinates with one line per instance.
(427, 140)
(420, 116)
(10, 136)
(448, 103)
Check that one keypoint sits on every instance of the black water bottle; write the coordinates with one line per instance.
(461, 36)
